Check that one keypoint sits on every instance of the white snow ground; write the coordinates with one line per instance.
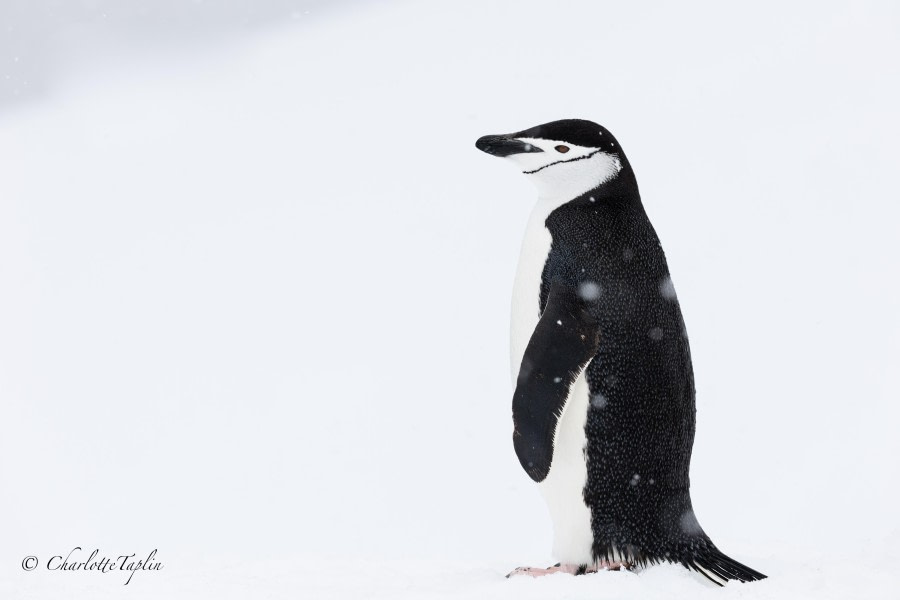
(254, 295)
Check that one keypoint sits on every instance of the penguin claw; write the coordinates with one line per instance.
(618, 565)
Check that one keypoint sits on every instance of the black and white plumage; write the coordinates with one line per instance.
(603, 408)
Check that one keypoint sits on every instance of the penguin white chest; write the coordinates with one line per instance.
(563, 488)
(527, 287)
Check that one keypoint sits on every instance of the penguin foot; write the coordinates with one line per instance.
(615, 565)
(571, 569)
(538, 572)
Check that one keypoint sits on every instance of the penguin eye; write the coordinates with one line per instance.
(562, 149)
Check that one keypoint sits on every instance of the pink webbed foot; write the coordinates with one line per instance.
(615, 565)
(538, 572)
(571, 569)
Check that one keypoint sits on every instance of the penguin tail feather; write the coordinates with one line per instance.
(719, 568)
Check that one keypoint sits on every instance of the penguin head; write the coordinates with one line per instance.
(564, 159)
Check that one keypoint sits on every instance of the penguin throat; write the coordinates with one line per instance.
(565, 180)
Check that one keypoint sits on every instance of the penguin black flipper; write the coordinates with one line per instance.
(564, 341)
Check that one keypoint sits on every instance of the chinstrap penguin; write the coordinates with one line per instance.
(603, 409)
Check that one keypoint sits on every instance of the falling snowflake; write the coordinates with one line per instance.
(589, 290)
(667, 289)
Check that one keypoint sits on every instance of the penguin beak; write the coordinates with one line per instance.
(504, 145)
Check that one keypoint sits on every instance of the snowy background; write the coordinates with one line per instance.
(255, 280)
